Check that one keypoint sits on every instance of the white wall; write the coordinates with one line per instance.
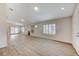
(75, 28)
(3, 26)
(63, 30)
(27, 28)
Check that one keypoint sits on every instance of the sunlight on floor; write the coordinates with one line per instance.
(13, 36)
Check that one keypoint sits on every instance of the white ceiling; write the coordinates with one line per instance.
(45, 12)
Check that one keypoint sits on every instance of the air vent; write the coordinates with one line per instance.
(11, 9)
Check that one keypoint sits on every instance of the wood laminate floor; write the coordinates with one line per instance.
(19, 45)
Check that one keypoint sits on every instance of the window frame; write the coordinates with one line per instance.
(47, 29)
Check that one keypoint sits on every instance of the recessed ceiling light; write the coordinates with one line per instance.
(36, 26)
(36, 8)
(62, 8)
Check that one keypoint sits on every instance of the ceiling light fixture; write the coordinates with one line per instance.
(36, 26)
(36, 8)
(62, 8)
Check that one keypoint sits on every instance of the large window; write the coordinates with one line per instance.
(49, 28)
(14, 29)
(17, 29)
(22, 29)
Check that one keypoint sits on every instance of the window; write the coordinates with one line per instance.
(49, 29)
(22, 29)
(17, 29)
(14, 29)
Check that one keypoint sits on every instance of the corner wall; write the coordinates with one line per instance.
(63, 30)
(75, 29)
(3, 26)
